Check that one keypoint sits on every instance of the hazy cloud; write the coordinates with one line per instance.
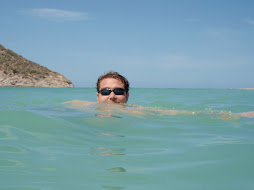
(191, 20)
(219, 33)
(57, 14)
(175, 59)
(250, 21)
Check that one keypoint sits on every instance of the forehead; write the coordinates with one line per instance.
(111, 83)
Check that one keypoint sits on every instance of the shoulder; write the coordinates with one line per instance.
(79, 103)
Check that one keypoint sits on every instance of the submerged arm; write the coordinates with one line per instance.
(246, 114)
(223, 115)
(140, 110)
(78, 103)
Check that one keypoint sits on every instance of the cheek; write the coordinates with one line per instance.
(102, 98)
(122, 98)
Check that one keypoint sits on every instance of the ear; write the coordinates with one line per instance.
(127, 97)
(98, 98)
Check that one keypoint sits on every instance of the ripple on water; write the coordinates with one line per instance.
(103, 151)
(117, 169)
(113, 187)
(10, 163)
(11, 149)
(221, 140)
(19, 188)
(6, 134)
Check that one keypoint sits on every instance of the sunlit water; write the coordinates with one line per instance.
(45, 145)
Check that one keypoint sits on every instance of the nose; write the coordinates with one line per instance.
(112, 96)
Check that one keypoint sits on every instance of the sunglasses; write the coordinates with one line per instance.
(107, 91)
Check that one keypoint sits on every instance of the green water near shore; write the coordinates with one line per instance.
(46, 145)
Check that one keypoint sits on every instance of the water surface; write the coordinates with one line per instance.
(45, 145)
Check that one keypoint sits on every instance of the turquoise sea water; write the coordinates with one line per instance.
(45, 145)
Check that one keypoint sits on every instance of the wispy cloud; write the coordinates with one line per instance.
(248, 20)
(57, 14)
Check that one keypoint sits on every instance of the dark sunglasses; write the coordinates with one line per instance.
(107, 91)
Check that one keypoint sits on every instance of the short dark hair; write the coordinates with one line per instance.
(114, 75)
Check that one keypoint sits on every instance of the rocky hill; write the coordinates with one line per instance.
(18, 71)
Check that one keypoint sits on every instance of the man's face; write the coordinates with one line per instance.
(112, 83)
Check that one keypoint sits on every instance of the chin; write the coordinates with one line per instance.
(116, 102)
(113, 102)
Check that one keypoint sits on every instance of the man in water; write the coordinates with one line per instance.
(114, 88)
(112, 94)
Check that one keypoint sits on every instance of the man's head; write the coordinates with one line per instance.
(112, 87)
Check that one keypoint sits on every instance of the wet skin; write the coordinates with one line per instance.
(118, 100)
(112, 83)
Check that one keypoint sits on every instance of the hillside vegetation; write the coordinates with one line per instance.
(15, 70)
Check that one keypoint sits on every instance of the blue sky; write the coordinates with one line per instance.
(157, 44)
